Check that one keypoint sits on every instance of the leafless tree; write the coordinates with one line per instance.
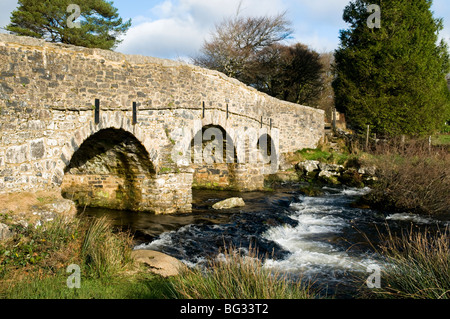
(251, 49)
(326, 96)
(237, 40)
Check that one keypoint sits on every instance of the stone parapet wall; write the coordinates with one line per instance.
(47, 98)
(37, 75)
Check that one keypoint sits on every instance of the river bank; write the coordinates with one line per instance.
(309, 223)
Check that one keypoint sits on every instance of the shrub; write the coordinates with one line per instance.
(411, 178)
(38, 246)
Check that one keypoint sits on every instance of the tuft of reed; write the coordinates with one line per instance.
(417, 265)
(233, 276)
(105, 253)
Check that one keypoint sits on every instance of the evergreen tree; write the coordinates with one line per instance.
(290, 73)
(392, 77)
(100, 24)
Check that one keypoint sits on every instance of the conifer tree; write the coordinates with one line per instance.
(392, 77)
(99, 23)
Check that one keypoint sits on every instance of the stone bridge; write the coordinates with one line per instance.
(128, 132)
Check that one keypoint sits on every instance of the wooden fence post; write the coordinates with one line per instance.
(134, 113)
(97, 111)
(429, 144)
(334, 119)
(367, 137)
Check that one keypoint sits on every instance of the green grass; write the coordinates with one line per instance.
(323, 156)
(314, 154)
(104, 252)
(33, 262)
(37, 245)
(441, 139)
(141, 286)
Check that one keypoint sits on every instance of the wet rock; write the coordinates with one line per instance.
(308, 166)
(331, 167)
(283, 177)
(5, 232)
(329, 177)
(311, 191)
(158, 263)
(369, 170)
(352, 178)
(229, 203)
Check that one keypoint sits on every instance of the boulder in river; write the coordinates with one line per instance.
(158, 263)
(308, 166)
(229, 203)
(368, 170)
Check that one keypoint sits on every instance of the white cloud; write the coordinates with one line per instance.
(168, 38)
(321, 12)
(181, 26)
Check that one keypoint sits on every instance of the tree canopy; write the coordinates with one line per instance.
(291, 73)
(236, 41)
(250, 49)
(392, 77)
(100, 24)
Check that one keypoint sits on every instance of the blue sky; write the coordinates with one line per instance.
(176, 29)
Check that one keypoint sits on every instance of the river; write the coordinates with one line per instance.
(319, 239)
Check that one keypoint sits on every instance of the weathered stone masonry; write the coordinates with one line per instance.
(50, 140)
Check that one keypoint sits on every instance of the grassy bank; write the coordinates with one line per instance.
(34, 261)
(137, 286)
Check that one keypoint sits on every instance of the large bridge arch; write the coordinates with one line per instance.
(213, 156)
(109, 120)
(110, 169)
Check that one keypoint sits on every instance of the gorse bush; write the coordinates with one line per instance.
(233, 276)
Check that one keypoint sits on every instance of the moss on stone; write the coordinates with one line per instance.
(311, 191)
